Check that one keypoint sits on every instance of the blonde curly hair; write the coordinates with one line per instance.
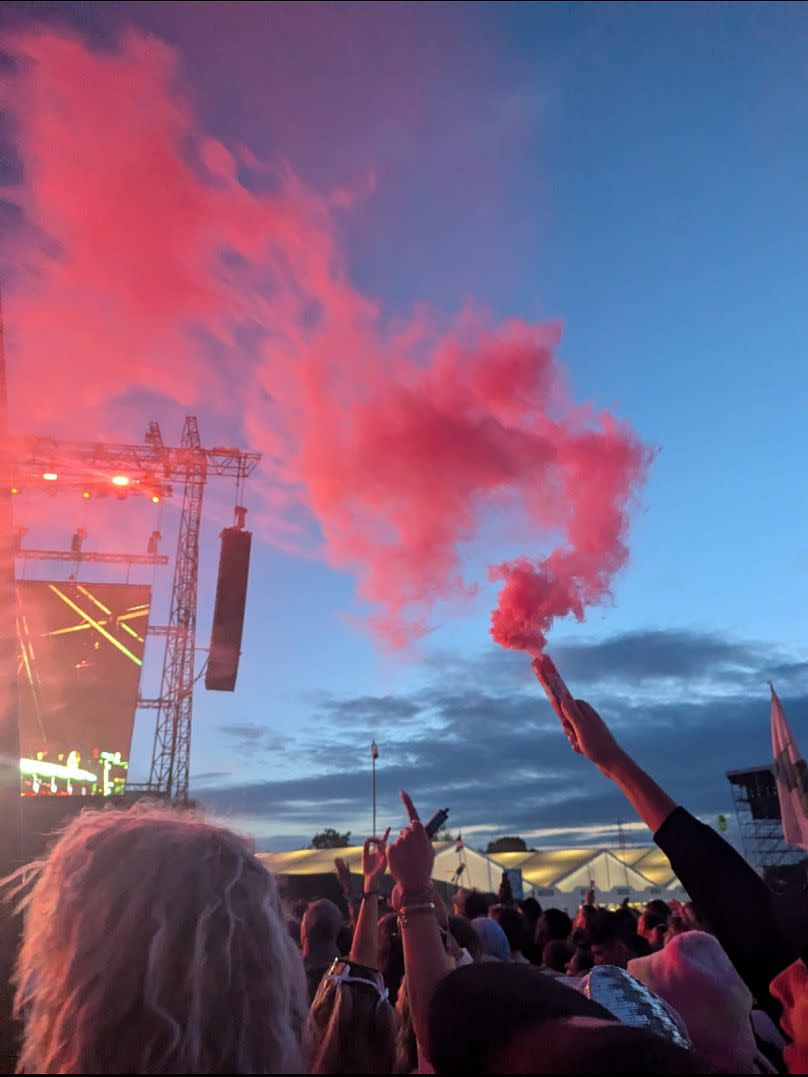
(154, 942)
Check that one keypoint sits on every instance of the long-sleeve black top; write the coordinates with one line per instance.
(733, 898)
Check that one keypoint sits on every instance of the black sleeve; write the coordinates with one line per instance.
(732, 897)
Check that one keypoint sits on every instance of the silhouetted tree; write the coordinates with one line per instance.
(330, 839)
(507, 845)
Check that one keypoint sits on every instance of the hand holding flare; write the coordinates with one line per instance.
(586, 731)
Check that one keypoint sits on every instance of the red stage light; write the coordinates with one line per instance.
(120, 480)
(85, 494)
(49, 476)
(14, 490)
(155, 498)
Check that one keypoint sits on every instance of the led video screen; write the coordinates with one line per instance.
(79, 661)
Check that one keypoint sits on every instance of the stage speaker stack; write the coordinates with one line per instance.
(228, 613)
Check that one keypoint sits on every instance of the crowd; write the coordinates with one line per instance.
(155, 942)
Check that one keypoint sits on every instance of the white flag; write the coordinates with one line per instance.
(792, 778)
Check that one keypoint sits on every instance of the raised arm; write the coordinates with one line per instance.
(365, 947)
(425, 960)
(734, 899)
(590, 736)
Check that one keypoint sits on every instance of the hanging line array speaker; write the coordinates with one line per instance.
(228, 613)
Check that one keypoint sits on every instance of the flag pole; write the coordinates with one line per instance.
(374, 755)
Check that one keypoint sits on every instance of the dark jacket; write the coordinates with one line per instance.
(735, 901)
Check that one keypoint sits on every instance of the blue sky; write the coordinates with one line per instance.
(638, 171)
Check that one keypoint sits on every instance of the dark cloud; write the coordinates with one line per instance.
(365, 710)
(254, 739)
(482, 740)
(210, 776)
(654, 655)
(641, 658)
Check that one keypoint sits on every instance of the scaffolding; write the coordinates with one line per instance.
(757, 807)
(148, 470)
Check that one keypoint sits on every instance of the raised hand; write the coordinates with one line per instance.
(374, 861)
(589, 735)
(343, 876)
(411, 856)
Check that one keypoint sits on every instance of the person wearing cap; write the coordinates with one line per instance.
(694, 975)
(505, 1018)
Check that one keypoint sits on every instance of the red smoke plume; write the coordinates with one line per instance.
(157, 259)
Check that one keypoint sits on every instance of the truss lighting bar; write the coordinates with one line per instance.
(92, 462)
(93, 558)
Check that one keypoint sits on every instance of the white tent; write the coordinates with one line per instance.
(559, 877)
(478, 872)
(562, 877)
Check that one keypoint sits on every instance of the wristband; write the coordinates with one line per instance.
(406, 911)
(371, 893)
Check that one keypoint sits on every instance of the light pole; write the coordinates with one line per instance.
(374, 755)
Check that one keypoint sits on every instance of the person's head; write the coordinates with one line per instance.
(609, 942)
(634, 1003)
(581, 925)
(465, 936)
(351, 1027)
(298, 907)
(790, 988)
(531, 910)
(492, 939)
(154, 942)
(591, 1045)
(512, 923)
(320, 930)
(677, 925)
(477, 1011)
(556, 955)
(653, 923)
(470, 903)
(694, 975)
(553, 924)
(580, 962)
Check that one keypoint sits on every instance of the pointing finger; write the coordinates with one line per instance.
(409, 808)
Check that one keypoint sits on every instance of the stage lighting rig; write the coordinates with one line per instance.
(92, 469)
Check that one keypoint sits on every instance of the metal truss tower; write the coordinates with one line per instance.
(757, 806)
(171, 754)
(149, 469)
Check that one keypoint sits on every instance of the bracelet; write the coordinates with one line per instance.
(406, 911)
(370, 894)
